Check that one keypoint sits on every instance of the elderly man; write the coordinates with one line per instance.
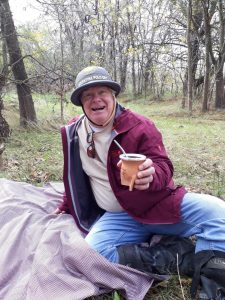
(117, 220)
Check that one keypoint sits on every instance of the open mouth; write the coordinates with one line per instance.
(98, 108)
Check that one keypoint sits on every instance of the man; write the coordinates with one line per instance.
(117, 220)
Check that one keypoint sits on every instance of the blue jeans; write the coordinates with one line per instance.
(201, 215)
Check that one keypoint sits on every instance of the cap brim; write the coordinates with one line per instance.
(75, 97)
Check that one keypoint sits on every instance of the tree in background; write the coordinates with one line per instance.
(207, 31)
(219, 59)
(26, 105)
(4, 126)
(190, 55)
(214, 41)
(143, 43)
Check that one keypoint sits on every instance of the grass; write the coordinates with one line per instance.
(195, 144)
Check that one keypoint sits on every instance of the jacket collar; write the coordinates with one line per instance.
(124, 120)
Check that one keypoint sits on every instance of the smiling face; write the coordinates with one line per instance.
(98, 104)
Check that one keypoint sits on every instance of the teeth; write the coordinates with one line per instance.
(100, 108)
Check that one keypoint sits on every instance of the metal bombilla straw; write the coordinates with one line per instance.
(133, 177)
(121, 148)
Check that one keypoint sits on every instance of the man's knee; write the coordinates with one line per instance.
(106, 250)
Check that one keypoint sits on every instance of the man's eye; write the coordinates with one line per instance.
(87, 97)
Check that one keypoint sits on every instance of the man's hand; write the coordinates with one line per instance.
(58, 211)
(145, 175)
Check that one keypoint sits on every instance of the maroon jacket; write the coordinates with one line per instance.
(159, 204)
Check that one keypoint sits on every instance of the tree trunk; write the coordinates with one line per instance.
(220, 96)
(26, 105)
(219, 101)
(190, 54)
(206, 82)
(4, 126)
(61, 80)
(194, 17)
(114, 53)
(207, 57)
(131, 34)
(133, 74)
(4, 47)
(147, 70)
(185, 89)
(123, 68)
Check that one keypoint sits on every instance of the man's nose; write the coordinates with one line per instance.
(96, 97)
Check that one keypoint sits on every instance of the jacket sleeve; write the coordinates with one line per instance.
(64, 205)
(152, 146)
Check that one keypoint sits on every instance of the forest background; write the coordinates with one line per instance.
(168, 57)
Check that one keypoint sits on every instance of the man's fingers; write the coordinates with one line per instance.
(141, 187)
(144, 181)
(58, 212)
(146, 164)
(146, 173)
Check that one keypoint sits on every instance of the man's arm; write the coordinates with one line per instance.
(157, 171)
